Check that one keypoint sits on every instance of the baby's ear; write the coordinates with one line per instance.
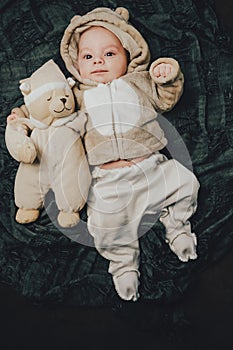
(25, 87)
(123, 12)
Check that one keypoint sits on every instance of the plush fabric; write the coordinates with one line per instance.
(51, 155)
(48, 265)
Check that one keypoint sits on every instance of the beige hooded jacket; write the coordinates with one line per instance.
(118, 119)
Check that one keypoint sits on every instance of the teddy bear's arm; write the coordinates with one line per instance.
(19, 144)
(167, 89)
(78, 124)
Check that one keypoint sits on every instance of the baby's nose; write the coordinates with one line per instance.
(98, 60)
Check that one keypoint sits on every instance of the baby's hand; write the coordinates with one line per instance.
(11, 117)
(18, 112)
(163, 70)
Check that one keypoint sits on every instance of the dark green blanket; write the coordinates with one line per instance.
(39, 260)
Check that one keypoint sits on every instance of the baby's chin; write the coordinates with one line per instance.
(101, 79)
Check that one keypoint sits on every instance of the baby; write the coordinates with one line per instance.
(119, 100)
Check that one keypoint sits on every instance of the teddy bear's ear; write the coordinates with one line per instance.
(123, 12)
(25, 88)
(71, 82)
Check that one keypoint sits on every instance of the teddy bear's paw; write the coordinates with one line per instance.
(27, 153)
(24, 216)
(68, 219)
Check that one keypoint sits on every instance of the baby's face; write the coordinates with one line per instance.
(101, 56)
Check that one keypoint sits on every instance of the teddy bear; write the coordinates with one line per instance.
(51, 155)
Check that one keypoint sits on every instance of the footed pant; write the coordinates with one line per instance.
(119, 198)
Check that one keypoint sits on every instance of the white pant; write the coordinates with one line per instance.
(119, 198)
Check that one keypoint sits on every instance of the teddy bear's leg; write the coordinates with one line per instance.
(72, 179)
(68, 219)
(24, 216)
(29, 193)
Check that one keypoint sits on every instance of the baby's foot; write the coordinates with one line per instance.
(127, 285)
(184, 246)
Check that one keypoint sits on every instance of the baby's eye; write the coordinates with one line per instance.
(87, 57)
(49, 98)
(110, 53)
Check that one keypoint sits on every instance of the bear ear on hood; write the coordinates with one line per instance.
(25, 87)
(123, 12)
(75, 18)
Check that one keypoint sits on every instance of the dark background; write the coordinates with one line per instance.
(199, 317)
(203, 320)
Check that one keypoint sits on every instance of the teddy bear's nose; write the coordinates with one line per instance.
(63, 100)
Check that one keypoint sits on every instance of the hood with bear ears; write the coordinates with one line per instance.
(115, 21)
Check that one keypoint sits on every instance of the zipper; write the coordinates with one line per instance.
(113, 119)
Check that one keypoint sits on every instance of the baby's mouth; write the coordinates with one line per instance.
(99, 71)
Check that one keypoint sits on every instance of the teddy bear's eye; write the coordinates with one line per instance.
(49, 98)
(67, 95)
